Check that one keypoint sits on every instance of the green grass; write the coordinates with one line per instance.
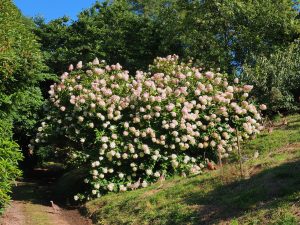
(281, 136)
(270, 195)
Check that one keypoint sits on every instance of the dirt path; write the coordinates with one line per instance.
(14, 214)
(21, 213)
(30, 205)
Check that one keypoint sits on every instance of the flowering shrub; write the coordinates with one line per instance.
(131, 131)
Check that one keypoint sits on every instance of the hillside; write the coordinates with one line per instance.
(269, 194)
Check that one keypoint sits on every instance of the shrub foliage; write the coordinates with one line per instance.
(9, 157)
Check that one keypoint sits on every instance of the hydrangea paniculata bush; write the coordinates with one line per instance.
(132, 130)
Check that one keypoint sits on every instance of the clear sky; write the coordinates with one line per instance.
(52, 9)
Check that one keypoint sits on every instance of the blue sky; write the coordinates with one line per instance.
(51, 9)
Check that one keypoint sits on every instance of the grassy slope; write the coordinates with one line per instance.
(270, 195)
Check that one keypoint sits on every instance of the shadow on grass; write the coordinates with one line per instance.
(292, 125)
(232, 200)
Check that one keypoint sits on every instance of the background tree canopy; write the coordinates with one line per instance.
(216, 33)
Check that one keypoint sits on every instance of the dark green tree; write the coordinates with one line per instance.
(21, 66)
(276, 78)
(111, 31)
(226, 32)
(218, 33)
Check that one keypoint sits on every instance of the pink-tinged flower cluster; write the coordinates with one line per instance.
(132, 130)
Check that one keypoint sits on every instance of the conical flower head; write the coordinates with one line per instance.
(71, 67)
(96, 61)
(79, 65)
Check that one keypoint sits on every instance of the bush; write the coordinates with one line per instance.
(9, 157)
(137, 129)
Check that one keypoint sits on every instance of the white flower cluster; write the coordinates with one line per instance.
(157, 123)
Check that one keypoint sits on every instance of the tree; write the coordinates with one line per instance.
(226, 32)
(218, 33)
(111, 31)
(276, 79)
(21, 66)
